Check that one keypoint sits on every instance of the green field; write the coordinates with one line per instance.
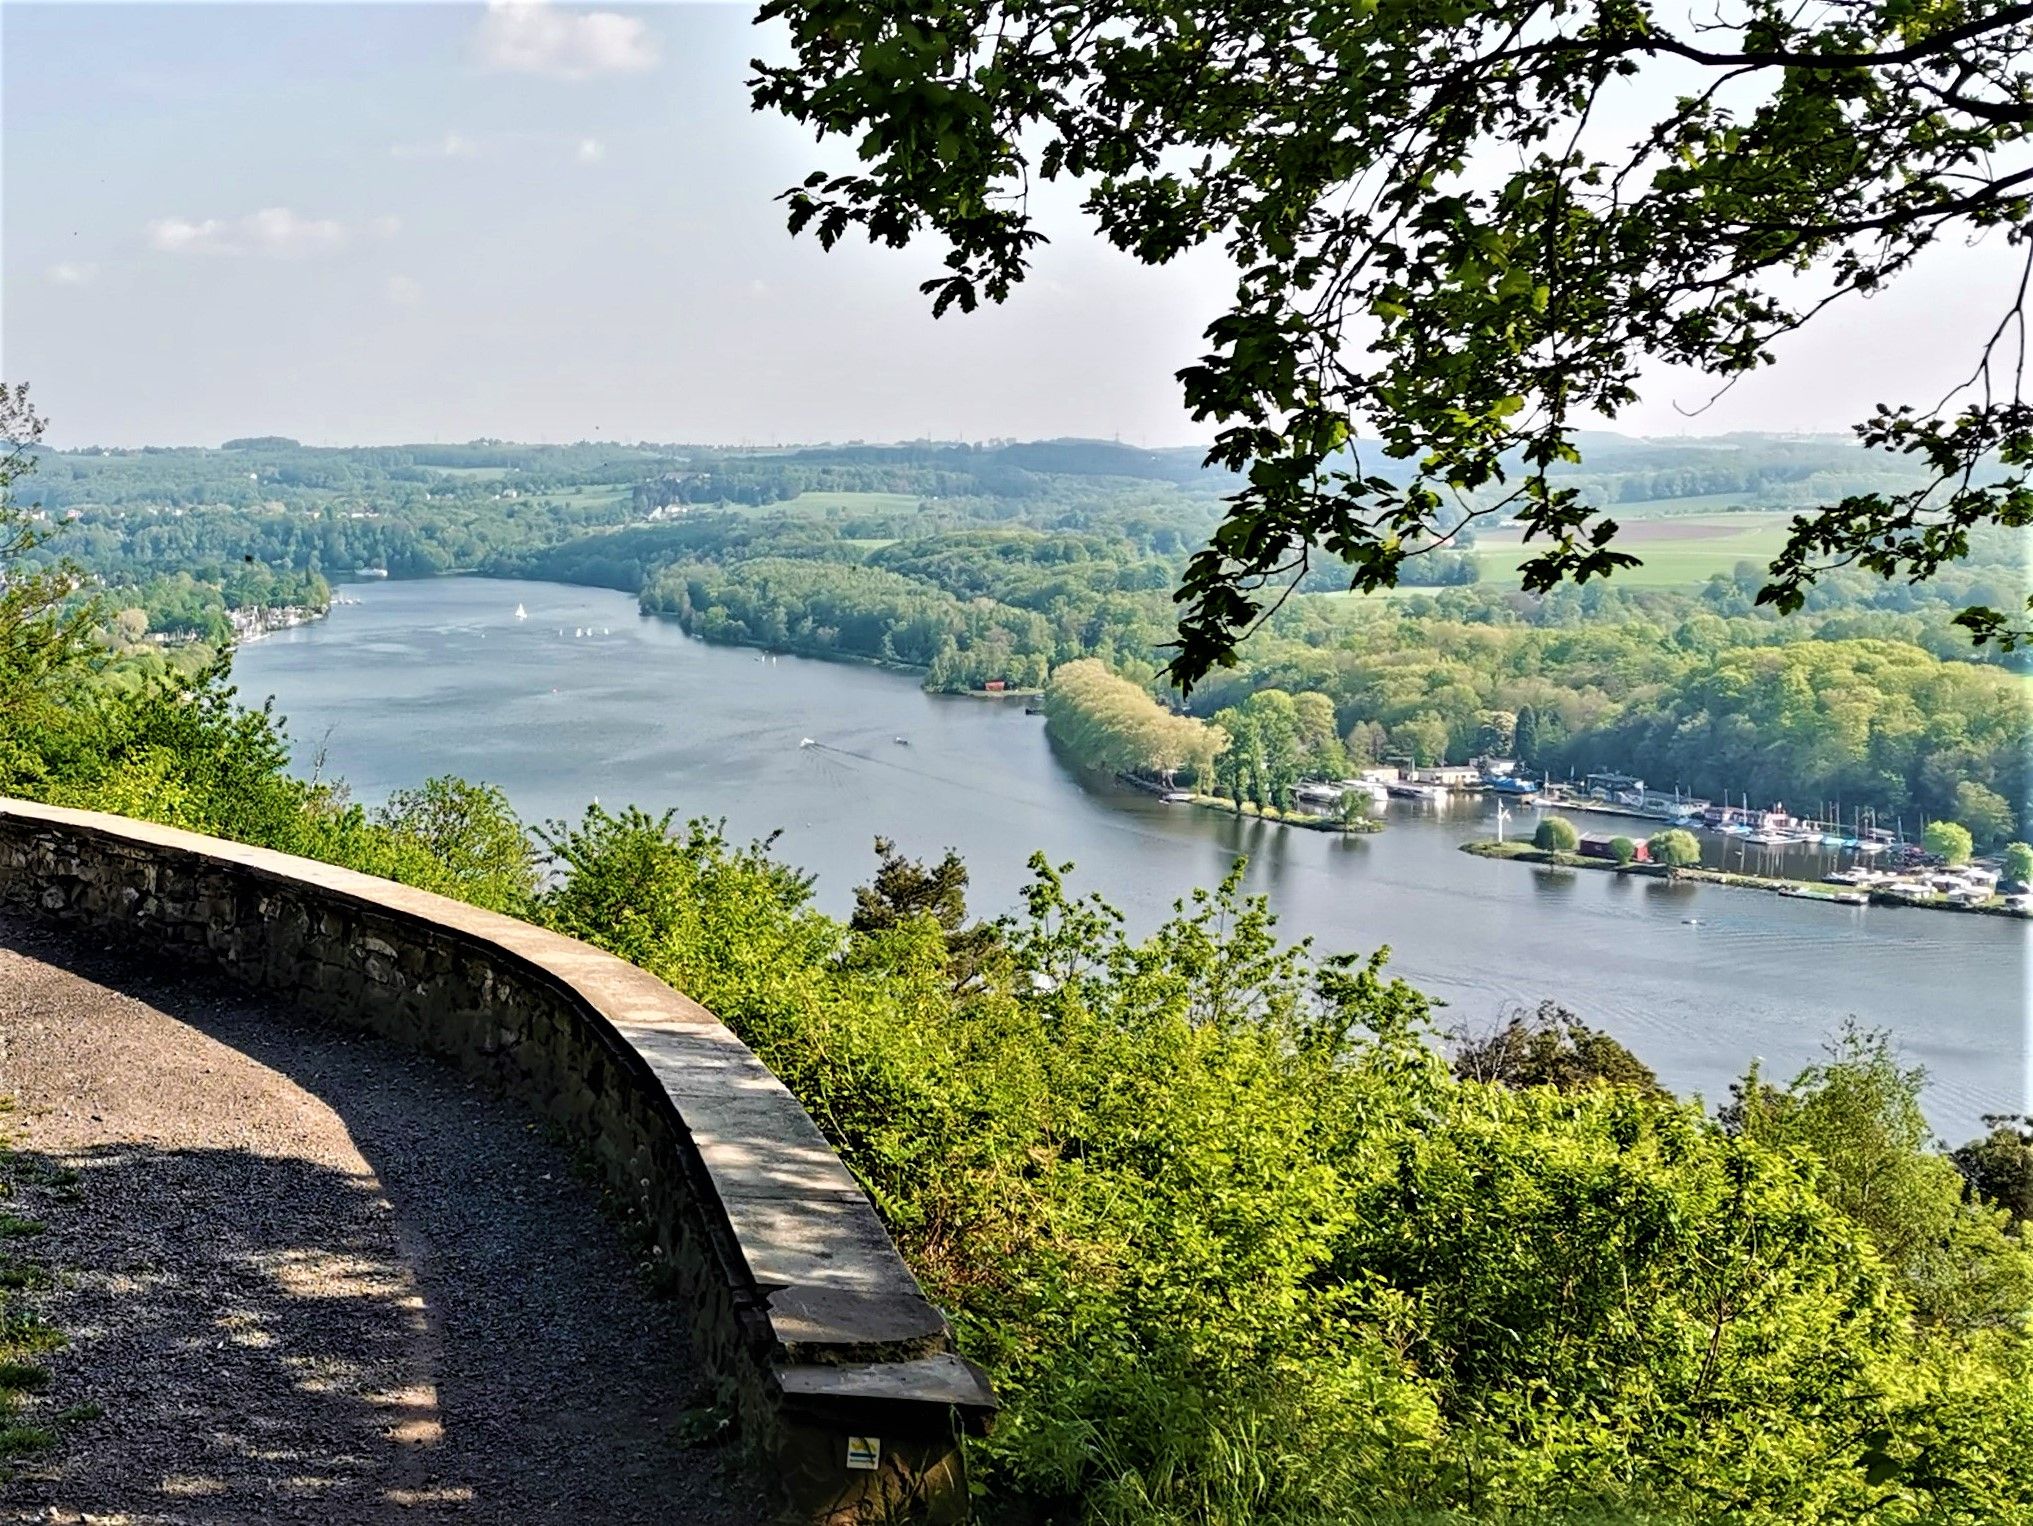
(873, 503)
(1681, 552)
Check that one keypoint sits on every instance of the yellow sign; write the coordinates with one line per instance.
(864, 1453)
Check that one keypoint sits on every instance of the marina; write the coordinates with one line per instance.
(424, 678)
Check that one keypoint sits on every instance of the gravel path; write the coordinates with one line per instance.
(310, 1277)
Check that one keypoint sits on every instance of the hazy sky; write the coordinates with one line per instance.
(405, 222)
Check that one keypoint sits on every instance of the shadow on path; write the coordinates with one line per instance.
(310, 1276)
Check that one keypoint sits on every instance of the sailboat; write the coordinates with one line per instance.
(521, 613)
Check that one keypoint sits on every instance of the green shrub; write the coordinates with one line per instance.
(1236, 1246)
(1676, 848)
(1556, 834)
(1949, 841)
(2018, 863)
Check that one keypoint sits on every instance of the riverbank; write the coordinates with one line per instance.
(1799, 890)
(1251, 812)
(259, 620)
(1286, 818)
(830, 654)
(402, 686)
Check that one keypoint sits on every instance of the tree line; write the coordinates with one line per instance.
(1233, 1237)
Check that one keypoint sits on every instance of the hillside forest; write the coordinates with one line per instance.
(1239, 1233)
(996, 565)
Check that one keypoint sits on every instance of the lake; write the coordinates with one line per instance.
(588, 699)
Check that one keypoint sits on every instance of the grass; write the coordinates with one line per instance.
(1683, 551)
(1679, 552)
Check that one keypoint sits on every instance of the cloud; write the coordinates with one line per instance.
(67, 274)
(451, 146)
(531, 37)
(591, 151)
(275, 231)
(405, 291)
(385, 226)
(179, 235)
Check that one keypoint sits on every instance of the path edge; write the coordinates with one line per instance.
(849, 1390)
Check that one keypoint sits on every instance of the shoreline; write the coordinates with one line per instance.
(1795, 890)
(1367, 826)
(853, 659)
(1278, 819)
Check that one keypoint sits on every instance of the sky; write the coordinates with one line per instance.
(395, 222)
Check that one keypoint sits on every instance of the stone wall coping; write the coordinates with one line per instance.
(806, 1241)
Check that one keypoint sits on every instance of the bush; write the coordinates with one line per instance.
(1236, 1246)
(2018, 865)
(1676, 848)
(1999, 1166)
(1623, 850)
(1556, 834)
(1949, 841)
(1550, 1047)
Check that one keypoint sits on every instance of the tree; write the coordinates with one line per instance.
(904, 888)
(1525, 736)
(1550, 1047)
(1859, 1113)
(1497, 733)
(2018, 863)
(45, 631)
(1442, 241)
(1366, 742)
(1986, 813)
(478, 849)
(1948, 841)
(1556, 834)
(1999, 1166)
(1320, 751)
(1676, 848)
(1623, 850)
(1423, 737)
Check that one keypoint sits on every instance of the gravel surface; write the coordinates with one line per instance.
(311, 1277)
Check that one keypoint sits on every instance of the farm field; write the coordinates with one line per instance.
(1680, 552)
(874, 503)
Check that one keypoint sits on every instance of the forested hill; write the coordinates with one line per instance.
(999, 563)
(1760, 470)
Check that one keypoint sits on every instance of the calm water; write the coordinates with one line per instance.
(438, 677)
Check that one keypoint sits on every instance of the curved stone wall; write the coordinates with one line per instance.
(845, 1376)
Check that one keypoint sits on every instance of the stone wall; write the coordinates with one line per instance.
(845, 1377)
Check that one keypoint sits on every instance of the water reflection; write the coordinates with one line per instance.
(641, 713)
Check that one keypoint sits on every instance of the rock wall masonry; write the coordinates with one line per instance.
(848, 1387)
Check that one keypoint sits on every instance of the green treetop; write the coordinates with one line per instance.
(2019, 862)
(1459, 231)
(1948, 840)
(1676, 848)
(1556, 834)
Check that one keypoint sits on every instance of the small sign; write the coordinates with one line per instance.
(864, 1453)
